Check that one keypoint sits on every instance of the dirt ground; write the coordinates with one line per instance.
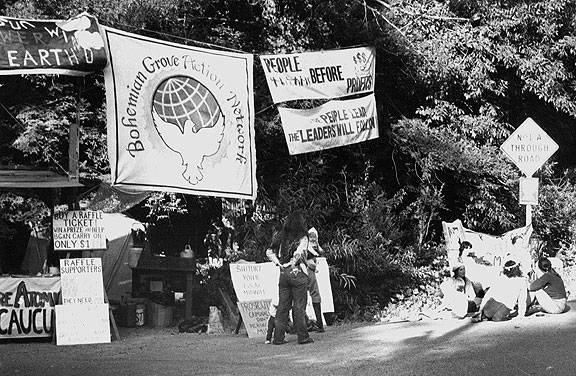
(540, 345)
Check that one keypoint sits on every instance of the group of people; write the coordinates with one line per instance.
(511, 295)
(294, 250)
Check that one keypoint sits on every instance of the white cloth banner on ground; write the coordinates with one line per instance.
(27, 306)
(489, 253)
(336, 123)
(256, 286)
(320, 75)
(180, 118)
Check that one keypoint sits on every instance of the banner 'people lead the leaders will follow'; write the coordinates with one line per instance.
(336, 123)
(72, 47)
(320, 75)
(180, 118)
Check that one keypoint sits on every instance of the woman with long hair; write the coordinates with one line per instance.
(508, 291)
(548, 289)
(288, 251)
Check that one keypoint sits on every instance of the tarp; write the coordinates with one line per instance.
(180, 118)
(72, 47)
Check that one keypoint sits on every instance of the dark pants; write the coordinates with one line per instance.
(270, 329)
(293, 294)
(496, 311)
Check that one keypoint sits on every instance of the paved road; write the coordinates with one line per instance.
(539, 346)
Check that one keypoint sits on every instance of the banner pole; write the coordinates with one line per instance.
(528, 214)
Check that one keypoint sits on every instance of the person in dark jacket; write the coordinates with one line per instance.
(288, 251)
(548, 289)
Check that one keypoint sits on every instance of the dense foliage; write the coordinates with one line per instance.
(454, 78)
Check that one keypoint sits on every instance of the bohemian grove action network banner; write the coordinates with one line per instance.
(336, 123)
(320, 75)
(73, 47)
(180, 118)
(27, 306)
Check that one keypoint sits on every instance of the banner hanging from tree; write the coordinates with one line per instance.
(333, 124)
(180, 118)
(72, 47)
(320, 75)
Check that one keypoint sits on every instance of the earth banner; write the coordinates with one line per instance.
(73, 47)
(179, 118)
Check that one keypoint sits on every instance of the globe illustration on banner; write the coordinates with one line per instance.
(189, 120)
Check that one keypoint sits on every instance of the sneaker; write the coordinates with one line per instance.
(280, 343)
(267, 342)
(307, 340)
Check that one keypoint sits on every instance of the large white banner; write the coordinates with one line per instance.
(336, 123)
(180, 118)
(320, 75)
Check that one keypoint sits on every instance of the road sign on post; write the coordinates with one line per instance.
(529, 147)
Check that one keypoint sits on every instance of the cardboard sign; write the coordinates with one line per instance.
(82, 281)
(255, 315)
(72, 47)
(254, 281)
(78, 230)
(336, 123)
(179, 118)
(321, 74)
(27, 306)
(79, 324)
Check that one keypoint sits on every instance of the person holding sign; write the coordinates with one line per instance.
(288, 251)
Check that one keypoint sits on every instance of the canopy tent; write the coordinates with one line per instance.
(116, 271)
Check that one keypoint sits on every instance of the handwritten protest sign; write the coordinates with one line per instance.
(256, 286)
(78, 230)
(82, 281)
(320, 74)
(336, 123)
(72, 47)
(255, 315)
(27, 306)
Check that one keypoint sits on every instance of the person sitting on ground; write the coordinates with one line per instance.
(547, 293)
(508, 291)
(461, 295)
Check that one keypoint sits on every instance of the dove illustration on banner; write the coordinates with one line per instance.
(189, 121)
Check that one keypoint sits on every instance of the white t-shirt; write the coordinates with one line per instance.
(507, 290)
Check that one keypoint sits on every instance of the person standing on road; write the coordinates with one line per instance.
(548, 289)
(288, 251)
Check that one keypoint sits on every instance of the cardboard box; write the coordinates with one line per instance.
(159, 316)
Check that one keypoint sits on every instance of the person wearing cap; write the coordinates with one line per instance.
(314, 251)
(461, 295)
(509, 290)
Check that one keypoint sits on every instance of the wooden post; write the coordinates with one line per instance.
(528, 214)
(74, 140)
(188, 295)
